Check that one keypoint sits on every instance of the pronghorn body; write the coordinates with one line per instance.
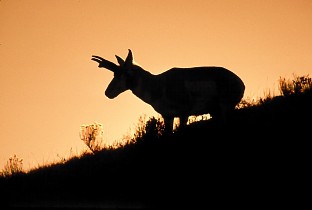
(178, 92)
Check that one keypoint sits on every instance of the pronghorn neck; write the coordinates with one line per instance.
(143, 84)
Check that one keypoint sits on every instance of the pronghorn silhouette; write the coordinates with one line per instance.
(178, 92)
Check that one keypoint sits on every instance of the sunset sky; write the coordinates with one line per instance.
(49, 85)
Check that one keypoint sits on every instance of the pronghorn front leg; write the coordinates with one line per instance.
(168, 124)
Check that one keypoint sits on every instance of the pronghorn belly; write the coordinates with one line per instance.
(191, 98)
(167, 108)
(202, 96)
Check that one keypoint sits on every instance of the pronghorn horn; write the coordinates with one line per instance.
(105, 63)
(129, 59)
(120, 60)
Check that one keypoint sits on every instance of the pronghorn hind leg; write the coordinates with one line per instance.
(220, 119)
(183, 121)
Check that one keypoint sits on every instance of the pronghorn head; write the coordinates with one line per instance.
(122, 74)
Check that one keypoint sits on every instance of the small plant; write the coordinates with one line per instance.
(148, 129)
(245, 103)
(295, 86)
(92, 136)
(248, 102)
(140, 129)
(155, 127)
(13, 166)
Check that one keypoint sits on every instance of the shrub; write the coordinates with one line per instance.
(13, 166)
(92, 136)
(152, 127)
(296, 86)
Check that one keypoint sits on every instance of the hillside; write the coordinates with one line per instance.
(260, 159)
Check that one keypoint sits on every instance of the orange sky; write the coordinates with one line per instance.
(49, 85)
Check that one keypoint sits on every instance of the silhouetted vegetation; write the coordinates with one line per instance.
(13, 166)
(92, 136)
(259, 159)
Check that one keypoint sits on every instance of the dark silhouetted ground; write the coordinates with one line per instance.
(260, 160)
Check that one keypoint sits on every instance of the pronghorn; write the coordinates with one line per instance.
(178, 92)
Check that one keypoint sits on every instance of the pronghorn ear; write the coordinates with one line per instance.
(129, 59)
(120, 60)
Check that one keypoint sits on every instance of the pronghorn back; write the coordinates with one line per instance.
(199, 90)
(198, 79)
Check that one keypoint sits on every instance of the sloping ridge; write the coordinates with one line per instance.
(261, 158)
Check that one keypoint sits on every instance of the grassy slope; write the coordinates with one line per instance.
(260, 158)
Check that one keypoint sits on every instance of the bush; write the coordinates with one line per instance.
(151, 128)
(296, 86)
(92, 136)
(13, 166)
